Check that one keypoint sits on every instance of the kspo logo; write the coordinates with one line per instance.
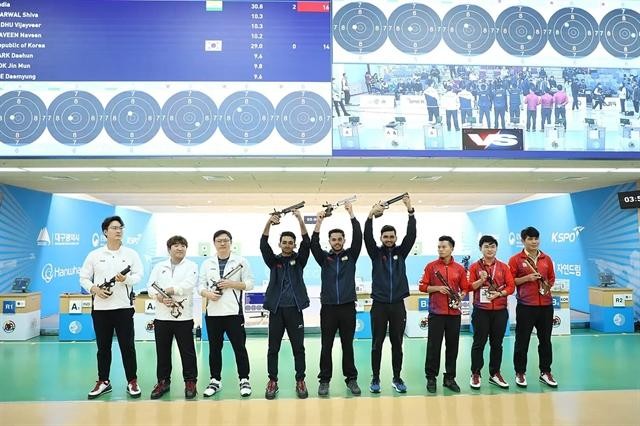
(96, 239)
(569, 269)
(567, 237)
(514, 239)
(50, 272)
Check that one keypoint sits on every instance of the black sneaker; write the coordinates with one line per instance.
(272, 389)
(323, 389)
(352, 384)
(162, 387)
(431, 385)
(451, 385)
(190, 391)
(301, 389)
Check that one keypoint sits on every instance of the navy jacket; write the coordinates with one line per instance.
(292, 266)
(389, 272)
(338, 270)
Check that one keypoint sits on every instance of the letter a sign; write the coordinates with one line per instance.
(75, 306)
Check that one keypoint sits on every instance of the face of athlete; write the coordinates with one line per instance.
(531, 244)
(489, 251)
(222, 244)
(336, 240)
(287, 244)
(177, 252)
(388, 239)
(444, 249)
(114, 232)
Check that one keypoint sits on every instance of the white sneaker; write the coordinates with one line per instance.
(499, 381)
(101, 387)
(245, 387)
(133, 389)
(548, 379)
(475, 381)
(521, 380)
(213, 388)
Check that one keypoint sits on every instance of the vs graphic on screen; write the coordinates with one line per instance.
(492, 139)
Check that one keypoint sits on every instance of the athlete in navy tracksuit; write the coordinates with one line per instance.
(338, 296)
(389, 287)
(285, 298)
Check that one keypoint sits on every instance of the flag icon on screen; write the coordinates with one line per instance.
(214, 5)
(213, 45)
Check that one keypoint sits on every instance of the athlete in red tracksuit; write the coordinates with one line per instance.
(530, 268)
(444, 321)
(491, 282)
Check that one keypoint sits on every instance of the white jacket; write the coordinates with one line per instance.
(183, 278)
(231, 301)
(103, 264)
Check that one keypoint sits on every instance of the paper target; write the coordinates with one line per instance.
(75, 118)
(23, 118)
(414, 29)
(246, 118)
(360, 28)
(189, 118)
(132, 118)
(303, 118)
(521, 31)
(619, 31)
(468, 30)
(573, 32)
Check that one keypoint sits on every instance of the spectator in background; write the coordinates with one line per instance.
(598, 96)
(499, 105)
(575, 89)
(450, 103)
(484, 103)
(431, 97)
(546, 102)
(560, 101)
(514, 103)
(345, 89)
(531, 101)
(465, 99)
(622, 97)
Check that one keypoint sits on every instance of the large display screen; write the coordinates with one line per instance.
(93, 78)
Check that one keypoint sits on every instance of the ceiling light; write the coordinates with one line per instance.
(240, 169)
(425, 178)
(490, 169)
(571, 170)
(66, 169)
(623, 170)
(410, 169)
(154, 169)
(11, 170)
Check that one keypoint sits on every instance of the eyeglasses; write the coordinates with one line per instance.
(221, 241)
(116, 228)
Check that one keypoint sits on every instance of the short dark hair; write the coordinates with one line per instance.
(220, 232)
(529, 231)
(387, 228)
(177, 239)
(336, 231)
(487, 239)
(107, 222)
(448, 239)
(288, 234)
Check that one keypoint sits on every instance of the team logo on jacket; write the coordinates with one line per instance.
(292, 262)
(345, 258)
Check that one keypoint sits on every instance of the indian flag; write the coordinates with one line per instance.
(214, 5)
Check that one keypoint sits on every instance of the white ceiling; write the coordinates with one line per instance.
(251, 190)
